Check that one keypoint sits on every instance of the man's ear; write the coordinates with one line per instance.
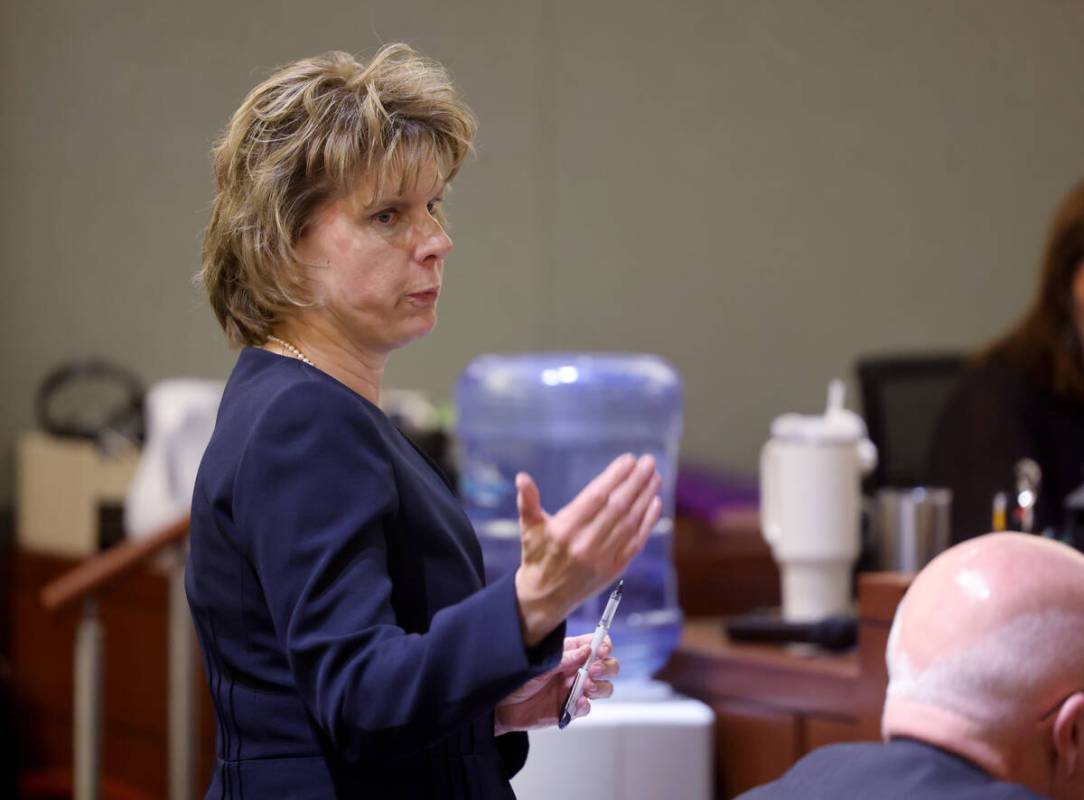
(1068, 736)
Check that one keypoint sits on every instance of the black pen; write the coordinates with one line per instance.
(569, 710)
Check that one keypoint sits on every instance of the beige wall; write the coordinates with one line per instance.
(758, 191)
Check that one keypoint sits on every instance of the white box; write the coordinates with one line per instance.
(59, 485)
(624, 750)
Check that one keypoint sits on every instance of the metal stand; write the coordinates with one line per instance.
(183, 703)
(87, 727)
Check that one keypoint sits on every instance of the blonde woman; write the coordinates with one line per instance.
(352, 646)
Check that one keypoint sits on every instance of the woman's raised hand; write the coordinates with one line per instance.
(571, 555)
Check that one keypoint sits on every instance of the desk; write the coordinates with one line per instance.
(772, 704)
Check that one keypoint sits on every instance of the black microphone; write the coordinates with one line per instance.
(832, 633)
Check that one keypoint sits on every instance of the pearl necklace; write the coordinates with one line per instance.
(293, 350)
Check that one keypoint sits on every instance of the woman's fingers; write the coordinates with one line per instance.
(574, 642)
(620, 501)
(593, 498)
(628, 526)
(598, 690)
(528, 502)
(650, 518)
(572, 660)
(605, 648)
(604, 668)
(577, 649)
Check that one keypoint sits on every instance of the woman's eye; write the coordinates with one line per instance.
(385, 217)
(432, 204)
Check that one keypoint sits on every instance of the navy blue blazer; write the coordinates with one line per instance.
(902, 769)
(351, 644)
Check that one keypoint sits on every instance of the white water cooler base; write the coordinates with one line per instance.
(627, 748)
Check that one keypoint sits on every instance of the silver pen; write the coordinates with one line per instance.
(569, 710)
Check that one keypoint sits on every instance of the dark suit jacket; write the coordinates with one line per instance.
(351, 645)
(902, 769)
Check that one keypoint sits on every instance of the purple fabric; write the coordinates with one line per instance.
(703, 492)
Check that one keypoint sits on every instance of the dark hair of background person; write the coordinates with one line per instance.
(1045, 344)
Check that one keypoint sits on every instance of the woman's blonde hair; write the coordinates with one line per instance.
(308, 133)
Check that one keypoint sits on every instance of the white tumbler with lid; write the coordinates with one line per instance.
(810, 509)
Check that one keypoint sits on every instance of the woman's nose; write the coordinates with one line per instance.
(435, 243)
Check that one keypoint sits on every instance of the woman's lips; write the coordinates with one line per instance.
(427, 297)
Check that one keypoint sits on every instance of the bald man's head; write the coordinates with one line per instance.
(989, 638)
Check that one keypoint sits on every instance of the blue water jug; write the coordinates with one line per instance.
(562, 417)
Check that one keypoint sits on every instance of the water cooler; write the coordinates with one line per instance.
(562, 417)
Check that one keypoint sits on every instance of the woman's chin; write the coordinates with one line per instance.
(421, 328)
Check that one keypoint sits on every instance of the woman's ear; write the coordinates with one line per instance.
(1068, 735)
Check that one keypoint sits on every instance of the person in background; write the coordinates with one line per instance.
(1023, 398)
(986, 685)
(351, 645)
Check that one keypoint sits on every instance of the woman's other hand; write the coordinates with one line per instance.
(573, 554)
(538, 702)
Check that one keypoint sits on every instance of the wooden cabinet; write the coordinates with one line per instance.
(724, 567)
(775, 704)
(756, 740)
(40, 644)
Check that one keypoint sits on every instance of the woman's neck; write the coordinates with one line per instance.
(340, 357)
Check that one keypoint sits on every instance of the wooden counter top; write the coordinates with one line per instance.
(774, 704)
